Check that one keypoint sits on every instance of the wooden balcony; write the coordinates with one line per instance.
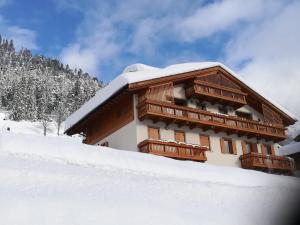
(173, 150)
(217, 94)
(271, 163)
(181, 115)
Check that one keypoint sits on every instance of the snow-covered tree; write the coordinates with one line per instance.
(35, 87)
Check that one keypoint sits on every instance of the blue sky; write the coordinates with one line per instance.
(257, 38)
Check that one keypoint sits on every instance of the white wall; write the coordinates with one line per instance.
(179, 91)
(255, 115)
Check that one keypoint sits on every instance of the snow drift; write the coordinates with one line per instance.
(58, 180)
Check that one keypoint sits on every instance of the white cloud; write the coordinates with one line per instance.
(271, 49)
(222, 16)
(89, 50)
(146, 36)
(109, 30)
(23, 38)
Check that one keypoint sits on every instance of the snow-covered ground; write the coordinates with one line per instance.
(58, 180)
(27, 127)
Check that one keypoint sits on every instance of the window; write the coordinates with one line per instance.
(244, 115)
(268, 150)
(180, 102)
(179, 136)
(228, 146)
(153, 133)
(205, 141)
(223, 110)
(201, 106)
(248, 147)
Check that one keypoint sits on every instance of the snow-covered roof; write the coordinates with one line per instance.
(292, 148)
(140, 72)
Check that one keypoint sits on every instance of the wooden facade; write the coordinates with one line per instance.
(111, 117)
(217, 89)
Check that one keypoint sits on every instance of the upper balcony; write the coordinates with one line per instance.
(181, 115)
(217, 94)
(272, 163)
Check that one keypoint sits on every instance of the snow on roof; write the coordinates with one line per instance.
(289, 149)
(141, 72)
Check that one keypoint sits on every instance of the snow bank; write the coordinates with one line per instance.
(57, 180)
(70, 150)
(140, 72)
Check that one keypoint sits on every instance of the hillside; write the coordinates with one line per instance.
(59, 180)
(35, 87)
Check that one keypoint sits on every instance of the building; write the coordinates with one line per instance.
(193, 111)
(292, 150)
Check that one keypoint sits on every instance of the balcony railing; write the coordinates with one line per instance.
(161, 111)
(217, 93)
(173, 150)
(259, 161)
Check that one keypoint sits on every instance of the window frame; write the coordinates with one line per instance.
(230, 146)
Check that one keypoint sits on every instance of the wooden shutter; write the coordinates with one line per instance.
(254, 147)
(222, 145)
(179, 136)
(204, 141)
(234, 151)
(162, 92)
(153, 133)
(244, 148)
(273, 150)
(263, 149)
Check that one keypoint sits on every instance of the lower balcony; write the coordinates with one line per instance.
(173, 150)
(182, 115)
(270, 163)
